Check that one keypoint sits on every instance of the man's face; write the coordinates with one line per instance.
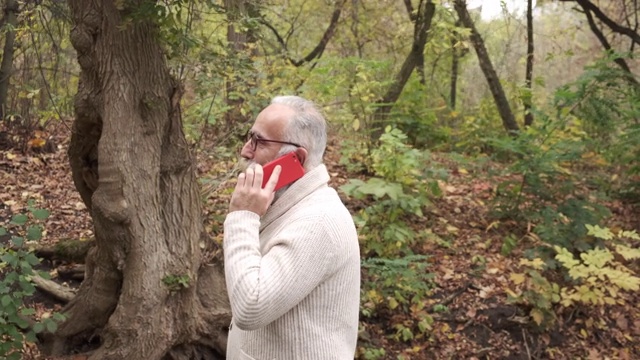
(269, 125)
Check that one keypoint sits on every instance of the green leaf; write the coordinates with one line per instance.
(40, 214)
(52, 326)
(3, 231)
(10, 259)
(31, 337)
(34, 233)
(27, 312)
(31, 259)
(38, 328)
(6, 300)
(19, 219)
(17, 241)
(22, 323)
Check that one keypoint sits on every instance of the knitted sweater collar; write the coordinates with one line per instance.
(311, 181)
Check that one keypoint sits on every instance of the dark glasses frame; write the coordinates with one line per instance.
(254, 140)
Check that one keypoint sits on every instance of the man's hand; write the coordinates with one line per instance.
(249, 194)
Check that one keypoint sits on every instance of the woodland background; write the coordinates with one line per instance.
(491, 166)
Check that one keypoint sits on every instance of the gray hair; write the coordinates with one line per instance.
(307, 127)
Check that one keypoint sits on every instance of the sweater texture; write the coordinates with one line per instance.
(293, 276)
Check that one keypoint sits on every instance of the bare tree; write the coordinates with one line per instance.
(508, 119)
(150, 291)
(318, 50)
(592, 12)
(421, 18)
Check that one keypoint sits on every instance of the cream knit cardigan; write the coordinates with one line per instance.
(294, 276)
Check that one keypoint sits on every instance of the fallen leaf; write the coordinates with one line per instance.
(622, 322)
(517, 278)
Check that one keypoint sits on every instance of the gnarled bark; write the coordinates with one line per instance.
(132, 167)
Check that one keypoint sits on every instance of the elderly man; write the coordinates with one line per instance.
(292, 261)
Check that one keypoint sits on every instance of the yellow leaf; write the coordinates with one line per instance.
(373, 295)
(584, 333)
(628, 253)
(393, 303)
(565, 257)
(517, 278)
(10, 156)
(629, 234)
(463, 171)
(537, 316)
(511, 293)
(356, 124)
(609, 300)
(597, 257)
(536, 263)
(602, 233)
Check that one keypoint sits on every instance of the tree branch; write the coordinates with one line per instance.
(60, 292)
(586, 4)
(605, 43)
(317, 52)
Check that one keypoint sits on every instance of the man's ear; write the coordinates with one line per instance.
(302, 154)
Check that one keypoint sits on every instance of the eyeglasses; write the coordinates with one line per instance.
(254, 140)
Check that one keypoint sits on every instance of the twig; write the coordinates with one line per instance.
(526, 345)
(449, 299)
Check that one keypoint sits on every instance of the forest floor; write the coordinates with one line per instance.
(474, 320)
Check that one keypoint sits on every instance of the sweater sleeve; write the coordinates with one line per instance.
(264, 287)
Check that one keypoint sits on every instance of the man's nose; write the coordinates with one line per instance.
(247, 151)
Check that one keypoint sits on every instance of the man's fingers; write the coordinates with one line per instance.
(241, 180)
(250, 177)
(273, 180)
(259, 174)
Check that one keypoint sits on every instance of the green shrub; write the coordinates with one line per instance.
(398, 285)
(545, 183)
(16, 270)
(401, 188)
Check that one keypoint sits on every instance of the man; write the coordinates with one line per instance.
(292, 261)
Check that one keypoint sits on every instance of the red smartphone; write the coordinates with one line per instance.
(291, 170)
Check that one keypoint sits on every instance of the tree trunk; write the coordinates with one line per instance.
(457, 54)
(528, 98)
(422, 23)
(6, 68)
(149, 292)
(508, 119)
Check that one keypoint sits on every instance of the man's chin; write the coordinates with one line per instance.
(244, 164)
